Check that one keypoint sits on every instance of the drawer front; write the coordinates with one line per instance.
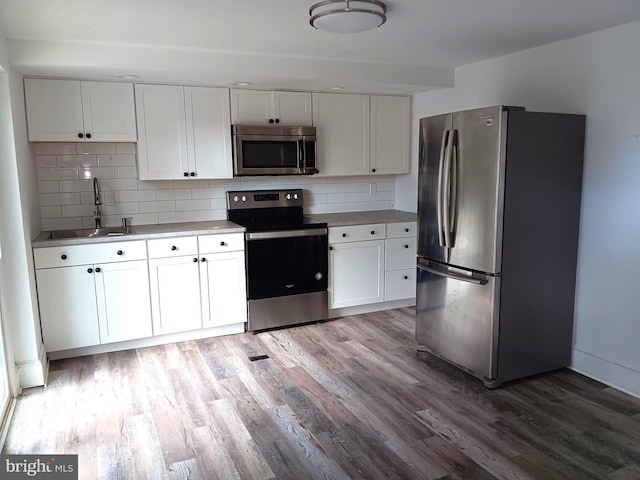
(50, 257)
(399, 284)
(222, 242)
(400, 253)
(357, 233)
(173, 247)
(405, 229)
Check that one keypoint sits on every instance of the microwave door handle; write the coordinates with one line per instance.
(301, 160)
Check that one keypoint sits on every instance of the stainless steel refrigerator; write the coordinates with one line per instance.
(498, 215)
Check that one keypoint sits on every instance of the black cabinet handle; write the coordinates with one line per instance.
(222, 244)
(373, 232)
(330, 248)
(373, 170)
(89, 270)
(406, 246)
(406, 278)
(203, 259)
(186, 174)
(88, 135)
(271, 120)
(195, 259)
(277, 120)
(80, 135)
(344, 235)
(406, 230)
(63, 257)
(174, 248)
(120, 252)
(98, 270)
(193, 174)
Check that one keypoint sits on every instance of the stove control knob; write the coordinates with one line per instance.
(288, 196)
(244, 198)
(236, 198)
(319, 276)
(295, 196)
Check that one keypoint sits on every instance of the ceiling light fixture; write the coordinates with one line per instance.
(241, 84)
(345, 16)
(128, 76)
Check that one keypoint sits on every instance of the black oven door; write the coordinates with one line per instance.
(282, 263)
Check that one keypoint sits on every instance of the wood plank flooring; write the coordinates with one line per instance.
(345, 399)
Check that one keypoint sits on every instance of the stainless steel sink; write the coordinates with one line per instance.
(87, 233)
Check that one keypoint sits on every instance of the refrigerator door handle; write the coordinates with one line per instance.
(452, 275)
(446, 191)
(453, 211)
(440, 200)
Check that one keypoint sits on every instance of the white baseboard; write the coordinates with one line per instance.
(33, 373)
(621, 377)
(371, 307)
(150, 342)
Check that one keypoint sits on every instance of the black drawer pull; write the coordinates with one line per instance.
(89, 270)
(406, 246)
(98, 270)
(120, 252)
(186, 174)
(174, 248)
(80, 135)
(373, 232)
(88, 135)
(344, 235)
(63, 257)
(406, 230)
(406, 278)
(203, 259)
(222, 244)
(195, 259)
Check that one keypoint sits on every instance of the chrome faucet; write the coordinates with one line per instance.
(96, 201)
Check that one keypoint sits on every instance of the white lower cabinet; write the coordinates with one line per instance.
(175, 294)
(87, 305)
(356, 273)
(223, 289)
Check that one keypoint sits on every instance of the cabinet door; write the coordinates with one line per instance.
(162, 132)
(400, 253)
(54, 110)
(224, 294)
(108, 111)
(356, 273)
(209, 132)
(175, 294)
(122, 293)
(292, 108)
(252, 107)
(390, 127)
(342, 129)
(68, 308)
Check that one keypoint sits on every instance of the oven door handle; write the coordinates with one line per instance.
(312, 232)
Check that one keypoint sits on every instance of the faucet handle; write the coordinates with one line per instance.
(126, 223)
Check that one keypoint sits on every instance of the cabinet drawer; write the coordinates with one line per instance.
(222, 242)
(50, 257)
(399, 284)
(173, 247)
(400, 253)
(404, 229)
(357, 233)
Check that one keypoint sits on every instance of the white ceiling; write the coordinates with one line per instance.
(271, 44)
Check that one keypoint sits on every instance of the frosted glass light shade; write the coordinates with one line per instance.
(344, 16)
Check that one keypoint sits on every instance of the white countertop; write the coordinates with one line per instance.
(363, 218)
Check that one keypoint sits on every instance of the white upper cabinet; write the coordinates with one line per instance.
(390, 139)
(342, 133)
(260, 107)
(185, 132)
(78, 111)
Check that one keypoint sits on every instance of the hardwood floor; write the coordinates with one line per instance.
(349, 398)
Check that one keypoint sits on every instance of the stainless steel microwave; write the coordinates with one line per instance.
(273, 150)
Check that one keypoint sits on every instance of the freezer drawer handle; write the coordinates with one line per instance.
(455, 276)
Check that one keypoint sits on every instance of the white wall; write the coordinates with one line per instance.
(19, 223)
(598, 75)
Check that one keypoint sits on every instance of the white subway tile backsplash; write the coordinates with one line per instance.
(66, 172)
(48, 186)
(186, 205)
(57, 174)
(76, 161)
(46, 161)
(175, 217)
(179, 194)
(154, 207)
(55, 148)
(137, 195)
(96, 148)
(125, 148)
(76, 185)
(50, 199)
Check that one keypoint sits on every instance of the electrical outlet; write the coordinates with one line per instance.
(107, 198)
(373, 188)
